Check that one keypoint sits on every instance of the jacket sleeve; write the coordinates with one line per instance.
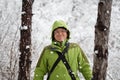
(84, 66)
(41, 68)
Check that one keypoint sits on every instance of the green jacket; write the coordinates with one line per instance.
(75, 57)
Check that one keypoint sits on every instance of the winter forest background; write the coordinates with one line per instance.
(81, 17)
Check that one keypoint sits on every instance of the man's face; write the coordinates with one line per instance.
(60, 34)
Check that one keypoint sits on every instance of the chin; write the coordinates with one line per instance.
(61, 40)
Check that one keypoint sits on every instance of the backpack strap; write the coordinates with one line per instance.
(62, 57)
(53, 67)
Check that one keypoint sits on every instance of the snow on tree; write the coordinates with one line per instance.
(101, 40)
(25, 41)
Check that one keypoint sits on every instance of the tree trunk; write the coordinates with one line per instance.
(25, 40)
(101, 40)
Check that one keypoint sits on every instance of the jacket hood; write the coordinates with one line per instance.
(59, 24)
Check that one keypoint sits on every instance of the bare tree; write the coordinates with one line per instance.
(101, 40)
(25, 41)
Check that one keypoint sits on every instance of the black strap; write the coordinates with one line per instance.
(62, 57)
(53, 67)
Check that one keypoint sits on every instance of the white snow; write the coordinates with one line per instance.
(81, 17)
(28, 46)
(23, 27)
(96, 51)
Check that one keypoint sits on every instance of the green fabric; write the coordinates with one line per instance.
(59, 23)
(75, 57)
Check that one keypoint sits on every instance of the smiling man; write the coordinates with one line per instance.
(62, 60)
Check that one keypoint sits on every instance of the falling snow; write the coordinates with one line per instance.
(80, 18)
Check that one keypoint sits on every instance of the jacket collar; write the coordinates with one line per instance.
(58, 46)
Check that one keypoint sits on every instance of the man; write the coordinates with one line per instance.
(62, 60)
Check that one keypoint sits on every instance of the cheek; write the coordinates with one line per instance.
(65, 35)
(55, 36)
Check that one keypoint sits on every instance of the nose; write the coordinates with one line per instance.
(60, 33)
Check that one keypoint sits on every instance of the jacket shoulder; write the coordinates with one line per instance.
(74, 45)
(47, 47)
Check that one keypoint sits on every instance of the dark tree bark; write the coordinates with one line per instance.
(101, 40)
(25, 40)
